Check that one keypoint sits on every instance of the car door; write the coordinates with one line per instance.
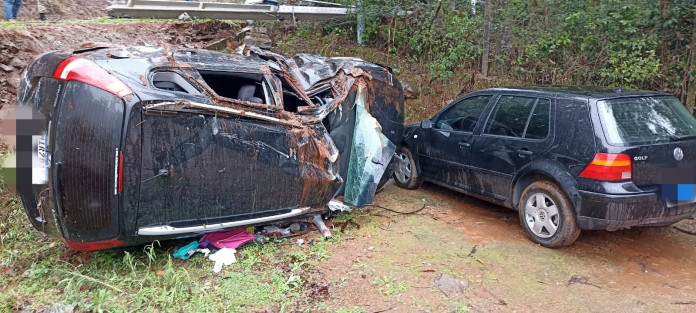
(516, 132)
(445, 150)
(202, 168)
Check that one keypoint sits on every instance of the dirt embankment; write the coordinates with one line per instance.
(63, 9)
(18, 47)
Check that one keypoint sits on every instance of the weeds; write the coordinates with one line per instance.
(388, 285)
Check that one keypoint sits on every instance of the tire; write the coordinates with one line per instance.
(386, 175)
(405, 171)
(544, 206)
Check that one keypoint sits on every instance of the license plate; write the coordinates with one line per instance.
(676, 195)
(40, 160)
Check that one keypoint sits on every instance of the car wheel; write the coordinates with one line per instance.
(405, 171)
(547, 215)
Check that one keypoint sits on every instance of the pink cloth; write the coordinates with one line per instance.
(231, 239)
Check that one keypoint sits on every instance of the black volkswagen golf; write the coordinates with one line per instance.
(566, 158)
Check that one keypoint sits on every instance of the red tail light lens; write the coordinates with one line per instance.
(609, 166)
(95, 245)
(88, 72)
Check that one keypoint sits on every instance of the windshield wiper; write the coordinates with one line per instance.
(673, 138)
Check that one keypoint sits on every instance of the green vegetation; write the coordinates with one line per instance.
(644, 44)
(36, 273)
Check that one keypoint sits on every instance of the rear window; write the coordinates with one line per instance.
(645, 120)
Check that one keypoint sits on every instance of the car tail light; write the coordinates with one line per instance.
(94, 245)
(608, 166)
(88, 72)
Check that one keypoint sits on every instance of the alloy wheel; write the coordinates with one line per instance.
(402, 172)
(541, 215)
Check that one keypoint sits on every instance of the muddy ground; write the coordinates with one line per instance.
(394, 258)
(387, 262)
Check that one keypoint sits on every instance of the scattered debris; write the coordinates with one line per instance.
(300, 242)
(335, 205)
(670, 285)
(577, 279)
(186, 251)
(684, 302)
(296, 227)
(450, 285)
(231, 239)
(222, 258)
(317, 220)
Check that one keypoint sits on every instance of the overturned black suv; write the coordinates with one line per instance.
(125, 145)
(566, 158)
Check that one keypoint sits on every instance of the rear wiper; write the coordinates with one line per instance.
(673, 138)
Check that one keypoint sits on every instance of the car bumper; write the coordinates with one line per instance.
(612, 212)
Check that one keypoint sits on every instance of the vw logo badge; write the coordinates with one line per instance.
(678, 154)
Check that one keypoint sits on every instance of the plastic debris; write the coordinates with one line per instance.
(270, 230)
(335, 205)
(300, 242)
(295, 227)
(227, 239)
(317, 220)
(222, 258)
(186, 251)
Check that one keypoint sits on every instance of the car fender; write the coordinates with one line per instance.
(545, 169)
(410, 142)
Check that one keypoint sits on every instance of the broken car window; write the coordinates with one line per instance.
(173, 82)
(239, 86)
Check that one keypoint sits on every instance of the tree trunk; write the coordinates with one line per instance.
(689, 86)
(663, 52)
(486, 37)
(504, 29)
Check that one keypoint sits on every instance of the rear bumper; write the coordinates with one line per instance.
(598, 211)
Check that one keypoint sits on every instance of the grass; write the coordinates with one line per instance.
(37, 274)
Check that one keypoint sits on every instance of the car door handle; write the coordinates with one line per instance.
(464, 144)
(524, 152)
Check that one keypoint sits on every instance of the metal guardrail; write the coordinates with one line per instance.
(215, 10)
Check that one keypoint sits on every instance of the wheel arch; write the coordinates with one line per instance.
(546, 170)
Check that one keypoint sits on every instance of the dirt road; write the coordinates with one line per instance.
(394, 258)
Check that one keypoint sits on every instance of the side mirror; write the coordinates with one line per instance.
(426, 124)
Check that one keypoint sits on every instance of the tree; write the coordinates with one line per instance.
(486, 37)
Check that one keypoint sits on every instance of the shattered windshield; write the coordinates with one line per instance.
(645, 120)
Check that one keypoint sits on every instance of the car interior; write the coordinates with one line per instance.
(240, 86)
